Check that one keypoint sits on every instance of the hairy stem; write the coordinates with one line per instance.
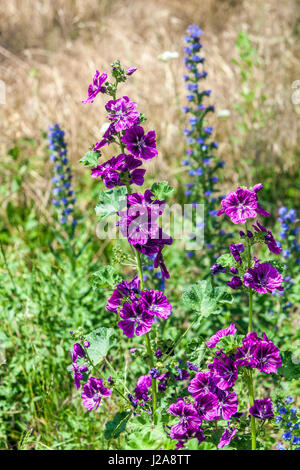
(250, 379)
(147, 335)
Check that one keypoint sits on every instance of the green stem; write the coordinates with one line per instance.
(252, 419)
(250, 311)
(147, 336)
(250, 379)
(180, 338)
(147, 340)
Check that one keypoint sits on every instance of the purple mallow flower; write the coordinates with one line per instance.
(224, 372)
(207, 406)
(139, 144)
(190, 421)
(156, 303)
(138, 221)
(93, 391)
(200, 384)
(262, 409)
(135, 319)
(117, 171)
(124, 290)
(269, 238)
(241, 205)
(213, 341)
(123, 113)
(96, 87)
(268, 357)
(227, 437)
(263, 278)
(258, 353)
(227, 403)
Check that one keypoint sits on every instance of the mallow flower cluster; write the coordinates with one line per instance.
(63, 195)
(213, 395)
(242, 206)
(135, 309)
(138, 222)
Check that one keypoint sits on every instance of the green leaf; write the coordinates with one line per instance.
(105, 277)
(161, 190)
(117, 425)
(290, 368)
(192, 444)
(111, 201)
(222, 296)
(226, 260)
(90, 159)
(197, 354)
(101, 340)
(203, 298)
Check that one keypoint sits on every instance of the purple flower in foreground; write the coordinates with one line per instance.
(200, 384)
(268, 357)
(228, 404)
(213, 341)
(139, 144)
(263, 278)
(135, 320)
(118, 170)
(156, 303)
(224, 372)
(93, 391)
(227, 437)
(123, 290)
(207, 406)
(96, 87)
(245, 355)
(262, 409)
(138, 221)
(241, 205)
(123, 113)
(189, 419)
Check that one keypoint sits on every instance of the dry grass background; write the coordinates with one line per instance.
(51, 48)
